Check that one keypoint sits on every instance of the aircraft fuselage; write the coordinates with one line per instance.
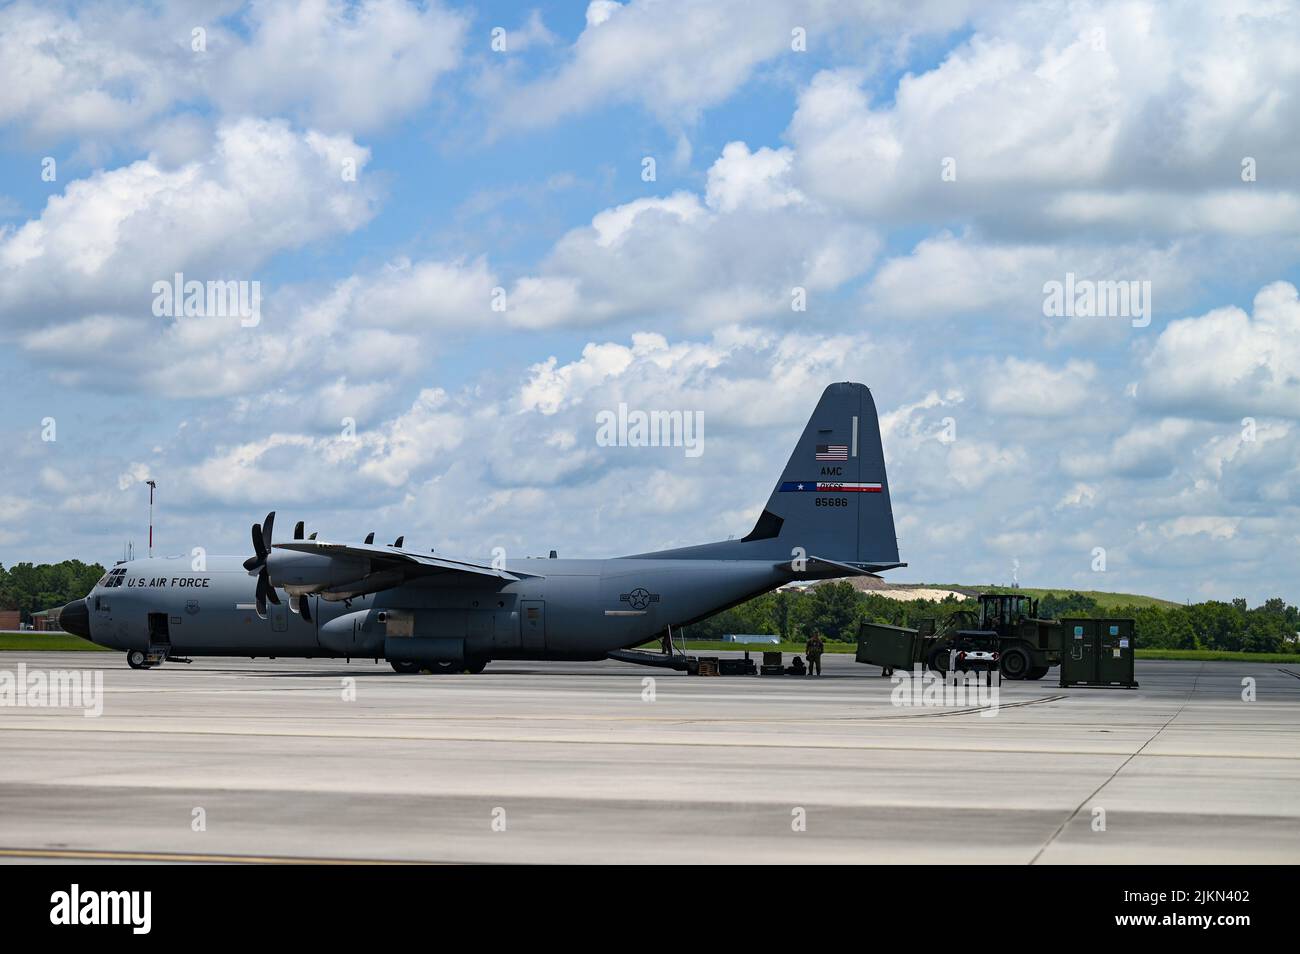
(580, 609)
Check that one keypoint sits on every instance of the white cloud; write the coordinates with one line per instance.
(1107, 114)
(339, 66)
(948, 276)
(677, 58)
(103, 242)
(542, 430)
(1146, 450)
(100, 72)
(736, 255)
(112, 69)
(1032, 389)
(1227, 363)
(424, 295)
(1216, 528)
(1241, 211)
(756, 180)
(369, 331)
(1080, 495)
(972, 464)
(598, 11)
(531, 35)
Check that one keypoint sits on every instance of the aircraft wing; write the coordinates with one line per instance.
(395, 566)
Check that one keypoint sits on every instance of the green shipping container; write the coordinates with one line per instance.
(1097, 652)
(893, 647)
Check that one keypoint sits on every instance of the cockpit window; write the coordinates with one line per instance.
(114, 578)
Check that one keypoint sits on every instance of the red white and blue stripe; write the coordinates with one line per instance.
(828, 487)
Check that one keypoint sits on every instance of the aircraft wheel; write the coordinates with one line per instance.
(136, 659)
(405, 668)
(1015, 664)
(475, 666)
(444, 668)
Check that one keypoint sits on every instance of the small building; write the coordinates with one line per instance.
(10, 620)
(47, 621)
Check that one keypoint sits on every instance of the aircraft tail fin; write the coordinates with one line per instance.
(832, 500)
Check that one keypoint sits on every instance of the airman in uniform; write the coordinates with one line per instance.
(814, 651)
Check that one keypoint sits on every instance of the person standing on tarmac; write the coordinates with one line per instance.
(814, 650)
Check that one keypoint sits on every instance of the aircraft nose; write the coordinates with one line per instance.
(75, 619)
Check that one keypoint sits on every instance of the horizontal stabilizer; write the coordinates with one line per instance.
(821, 568)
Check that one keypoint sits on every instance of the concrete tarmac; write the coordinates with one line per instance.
(574, 762)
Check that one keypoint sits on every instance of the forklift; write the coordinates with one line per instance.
(1005, 624)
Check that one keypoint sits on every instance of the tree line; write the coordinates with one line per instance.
(29, 588)
(835, 610)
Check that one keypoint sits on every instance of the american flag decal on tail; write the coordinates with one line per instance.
(832, 452)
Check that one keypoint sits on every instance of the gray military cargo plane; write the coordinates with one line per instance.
(829, 516)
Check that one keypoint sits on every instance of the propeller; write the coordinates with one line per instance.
(298, 529)
(302, 606)
(399, 541)
(370, 537)
(260, 547)
(262, 550)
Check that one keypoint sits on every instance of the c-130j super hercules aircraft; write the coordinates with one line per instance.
(829, 516)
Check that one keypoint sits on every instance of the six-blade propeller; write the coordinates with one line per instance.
(262, 550)
(257, 562)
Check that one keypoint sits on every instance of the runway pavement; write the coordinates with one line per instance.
(575, 763)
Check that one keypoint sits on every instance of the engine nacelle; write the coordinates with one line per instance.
(300, 572)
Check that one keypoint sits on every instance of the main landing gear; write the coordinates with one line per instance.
(472, 666)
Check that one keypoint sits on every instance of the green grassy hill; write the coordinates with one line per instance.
(1104, 599)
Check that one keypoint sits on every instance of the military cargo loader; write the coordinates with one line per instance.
(1005, 623)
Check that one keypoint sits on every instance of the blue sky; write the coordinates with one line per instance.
(1105, 140)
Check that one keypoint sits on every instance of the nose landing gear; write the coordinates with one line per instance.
(153, 657)
(139, 659)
